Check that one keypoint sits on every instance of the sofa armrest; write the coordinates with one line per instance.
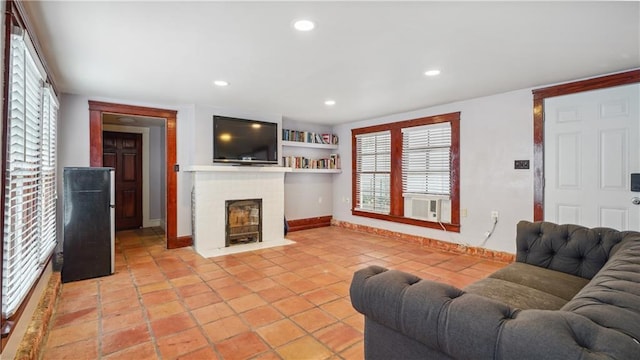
(440, 316)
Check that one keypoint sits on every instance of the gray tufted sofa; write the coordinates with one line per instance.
(573, 293)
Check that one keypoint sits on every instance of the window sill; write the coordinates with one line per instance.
(409, 221)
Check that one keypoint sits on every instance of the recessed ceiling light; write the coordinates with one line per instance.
(220, 83)
(330, 102)
(304, 25)
(432, 72)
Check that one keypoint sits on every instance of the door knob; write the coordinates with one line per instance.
(635, 200)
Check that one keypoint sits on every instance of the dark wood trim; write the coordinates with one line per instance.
(409, 221)
(539, 95)
(181, 241)
(309, 223)
(397, 206)
(96, 109)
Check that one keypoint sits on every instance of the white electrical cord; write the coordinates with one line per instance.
(493, 228)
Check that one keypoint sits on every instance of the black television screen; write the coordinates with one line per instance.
(244, 141)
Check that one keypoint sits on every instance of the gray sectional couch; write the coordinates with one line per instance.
(573, 293)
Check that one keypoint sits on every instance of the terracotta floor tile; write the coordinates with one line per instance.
(159, 297)
(261, 316)
(72, 333)
(75, 317)
(246, 302)
(122, 339)
(338, 337)
(275, 293)
(288, 302)
(120, 307)
(206, 353)
(340, 308)
(320, 296)
(355, 321)
(118, 294)
(355, 352)
(181, 343)
(80, 350)
(313, 319)
(306, 348)
(120, 321)
(193, 289)
(232, 292)
(213, 312)
(292, 305)
(243, 346)
(225, 328)
(172, 324)
(280, 332)
(163, 310)
(200, 300)
(141, 351)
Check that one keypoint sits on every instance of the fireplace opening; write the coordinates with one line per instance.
(244, 221)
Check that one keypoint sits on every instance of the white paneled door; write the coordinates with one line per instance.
(592, 146)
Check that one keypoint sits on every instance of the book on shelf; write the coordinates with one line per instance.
(301, 162)
(309, 137)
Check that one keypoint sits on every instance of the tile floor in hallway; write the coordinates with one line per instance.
(289, 302)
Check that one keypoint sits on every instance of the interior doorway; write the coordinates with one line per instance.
(123, 152)
(97, 110)
(539, 96)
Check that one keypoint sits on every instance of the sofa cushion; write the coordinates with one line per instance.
(611, 298)
(571, 249)
(552, 282)
(515, 295)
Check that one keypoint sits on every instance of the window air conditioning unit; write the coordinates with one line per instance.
(422, 208)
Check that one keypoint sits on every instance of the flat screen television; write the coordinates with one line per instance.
(244, 141)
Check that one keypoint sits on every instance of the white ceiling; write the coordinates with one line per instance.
(368, 56)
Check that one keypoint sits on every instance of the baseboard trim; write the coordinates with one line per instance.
(430, 243)
(309, 223)
(181, 241)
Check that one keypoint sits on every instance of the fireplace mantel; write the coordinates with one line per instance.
(238, 168)
(214, 185)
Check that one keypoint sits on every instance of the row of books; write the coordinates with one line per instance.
(301, 162)
(309, 137)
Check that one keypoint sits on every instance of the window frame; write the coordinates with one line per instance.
(396, 213)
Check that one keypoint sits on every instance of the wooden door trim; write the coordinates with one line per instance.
(539, 95)
(97, 108)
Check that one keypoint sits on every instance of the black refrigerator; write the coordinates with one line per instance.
(89, 223)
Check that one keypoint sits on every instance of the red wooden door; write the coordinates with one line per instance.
(123, 151)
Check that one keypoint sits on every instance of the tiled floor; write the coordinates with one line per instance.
(288, 302)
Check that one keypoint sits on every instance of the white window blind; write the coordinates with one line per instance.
(28, 216)
(426, 159)
(373, 172)
(49, 195)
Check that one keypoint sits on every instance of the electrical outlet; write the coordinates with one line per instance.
(320, 200)
(463, 212)
(494, 215)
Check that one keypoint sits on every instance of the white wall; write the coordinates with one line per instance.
(494, 131)
(307, 195)
(73, 146)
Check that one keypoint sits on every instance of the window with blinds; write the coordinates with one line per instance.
(30, 190)
(373, 172)
(426, 157)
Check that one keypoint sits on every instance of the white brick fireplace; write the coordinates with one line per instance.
(214, 185)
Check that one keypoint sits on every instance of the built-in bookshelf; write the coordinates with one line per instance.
(321, 159)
